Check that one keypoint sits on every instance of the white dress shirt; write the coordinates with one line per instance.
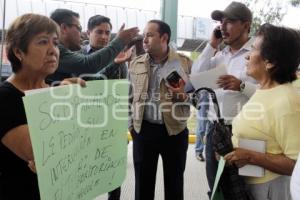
(230, 102)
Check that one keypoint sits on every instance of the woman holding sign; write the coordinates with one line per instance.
(270, 119)
(31, 45)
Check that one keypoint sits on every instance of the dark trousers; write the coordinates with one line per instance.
(152, 141)
(115, 194)
(211, 162)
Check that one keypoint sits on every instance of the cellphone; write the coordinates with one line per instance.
(217, 33)
(173, 79)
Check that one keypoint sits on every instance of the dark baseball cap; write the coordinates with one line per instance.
(234, 11)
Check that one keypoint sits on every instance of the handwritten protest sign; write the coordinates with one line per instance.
(79, 138)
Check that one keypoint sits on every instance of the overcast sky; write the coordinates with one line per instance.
(200, 8)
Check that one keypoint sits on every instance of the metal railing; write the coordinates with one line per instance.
(188, 27)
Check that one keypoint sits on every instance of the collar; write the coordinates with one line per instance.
(163, 60)
(90, 49)
(246, 46)
(172, 55)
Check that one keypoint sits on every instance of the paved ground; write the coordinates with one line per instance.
(195, 180)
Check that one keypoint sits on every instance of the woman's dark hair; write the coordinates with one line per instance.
(280, 47)
(163, 28)
(21, 32)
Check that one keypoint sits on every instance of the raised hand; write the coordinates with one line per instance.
(126, 35)
(229, 82)
(124, 56)
(68, 81)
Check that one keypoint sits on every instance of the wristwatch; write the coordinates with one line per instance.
(242, 86)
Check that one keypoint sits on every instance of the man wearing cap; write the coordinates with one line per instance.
(235, 87)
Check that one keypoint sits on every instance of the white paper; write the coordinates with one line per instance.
(208, 78)
(254, 145)
(295, 181)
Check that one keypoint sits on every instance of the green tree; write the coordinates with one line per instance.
(295, 3)
(268, 11)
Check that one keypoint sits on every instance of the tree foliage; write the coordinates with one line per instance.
(295, 3)
(268, 11)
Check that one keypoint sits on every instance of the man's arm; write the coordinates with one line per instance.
(204, 60)
(115, 71)
(118, 69)
(76, 63)
(250, 89)
(230, 82)
(72, 62)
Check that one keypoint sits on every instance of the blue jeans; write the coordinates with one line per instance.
(200, 133)
(202, 122)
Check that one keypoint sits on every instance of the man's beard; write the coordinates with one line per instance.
(234, 40)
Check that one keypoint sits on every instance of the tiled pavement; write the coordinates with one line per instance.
(195, 187)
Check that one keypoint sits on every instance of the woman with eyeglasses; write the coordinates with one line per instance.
(31, 46)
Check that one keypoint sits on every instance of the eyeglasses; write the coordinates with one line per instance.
(78, 27)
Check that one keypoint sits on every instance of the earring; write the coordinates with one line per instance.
(268, 66)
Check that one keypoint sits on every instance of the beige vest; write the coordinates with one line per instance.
(139, 72)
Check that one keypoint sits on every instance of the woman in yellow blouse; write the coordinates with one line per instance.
(272, 114)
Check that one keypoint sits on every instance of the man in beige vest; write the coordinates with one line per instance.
(158, 120)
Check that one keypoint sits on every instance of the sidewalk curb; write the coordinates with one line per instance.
(192, 138)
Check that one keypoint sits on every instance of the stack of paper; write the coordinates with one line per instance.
(254, 145)
(208, 78)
